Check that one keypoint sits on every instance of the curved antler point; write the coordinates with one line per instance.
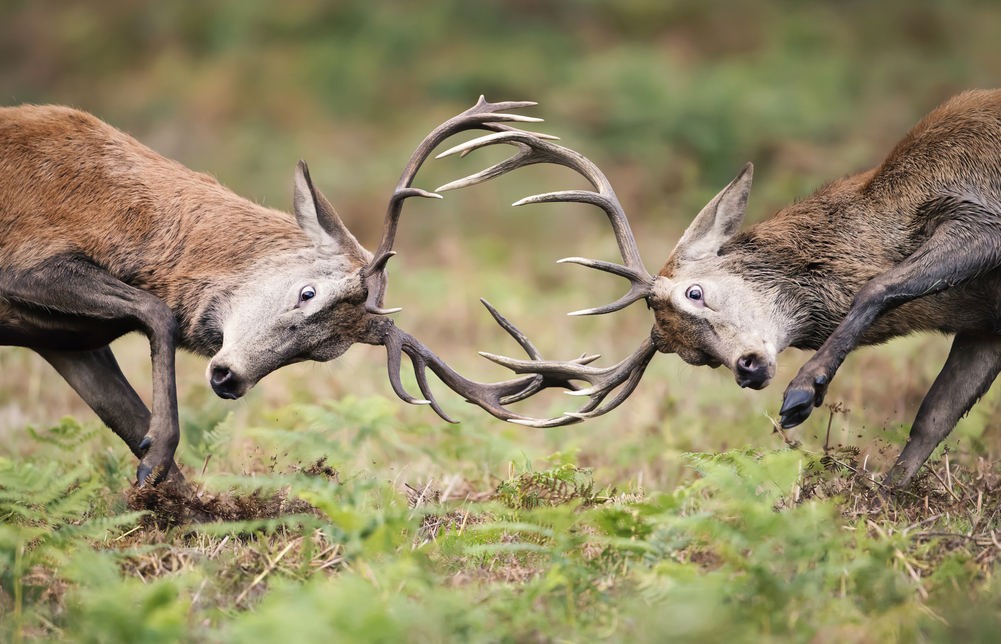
(377, 311)
(414, 192)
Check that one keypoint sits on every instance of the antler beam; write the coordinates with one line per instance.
(382, 331)
(534, 150)
(492, 397)
(603, 381)
(483, 115)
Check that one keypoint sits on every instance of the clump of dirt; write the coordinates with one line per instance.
(173, 504)
(429, 499)
(939, 487)
(949, 508)
(321, 469)
(177, 503)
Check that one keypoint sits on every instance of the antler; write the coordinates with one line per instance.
(483, 116)
(603, 381)
(381, 330)
(491, 397)
(534, 150)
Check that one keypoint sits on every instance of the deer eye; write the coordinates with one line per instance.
(694, 293)
(307, 293)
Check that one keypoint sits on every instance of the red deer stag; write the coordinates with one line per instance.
(100, 236)
(912, 245)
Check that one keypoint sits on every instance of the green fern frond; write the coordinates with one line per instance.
(67, 435)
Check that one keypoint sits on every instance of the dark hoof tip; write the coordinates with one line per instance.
(146, 442)
(149, 475)
(788, 422)
(796, 408)
(795, 401)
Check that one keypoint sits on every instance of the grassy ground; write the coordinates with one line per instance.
(319, 504)
(343, 518)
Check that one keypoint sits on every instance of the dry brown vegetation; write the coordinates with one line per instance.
(695, 519)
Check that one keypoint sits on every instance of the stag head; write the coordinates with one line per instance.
(330, 296)
(701, 307)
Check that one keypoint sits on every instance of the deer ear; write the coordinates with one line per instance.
(719, 220)
(320, 221)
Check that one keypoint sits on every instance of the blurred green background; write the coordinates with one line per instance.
(669, 97)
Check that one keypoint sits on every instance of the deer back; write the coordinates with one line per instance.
(790, 280)
(230, 270)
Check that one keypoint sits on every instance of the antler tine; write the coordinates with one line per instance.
(533, 150)
(483, 115)
(603, 380)
(381, 330)
(626, 375)
(533, 353)
(492, 397)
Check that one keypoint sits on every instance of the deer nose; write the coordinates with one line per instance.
(224, 383)
(752, 371)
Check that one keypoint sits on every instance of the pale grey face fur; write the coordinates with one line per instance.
(705, 312)
(308, 305)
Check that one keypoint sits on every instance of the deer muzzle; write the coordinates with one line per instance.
(754, 371)
(226, 383)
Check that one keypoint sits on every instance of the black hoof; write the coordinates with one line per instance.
(143, 474)
(795, 408)
(144, 445)
(147, 475)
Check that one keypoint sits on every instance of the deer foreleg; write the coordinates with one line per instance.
(956, 251)
(69, 303)
(973, 364)
(96, 376)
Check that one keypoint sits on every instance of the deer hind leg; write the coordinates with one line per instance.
(96, 376)
(957, 251)
(973, 364)
(70, 297)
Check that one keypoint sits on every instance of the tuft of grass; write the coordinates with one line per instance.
(778, 544)
(654, 522)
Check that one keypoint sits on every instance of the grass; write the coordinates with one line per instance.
(321, 505)
(343, 517)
